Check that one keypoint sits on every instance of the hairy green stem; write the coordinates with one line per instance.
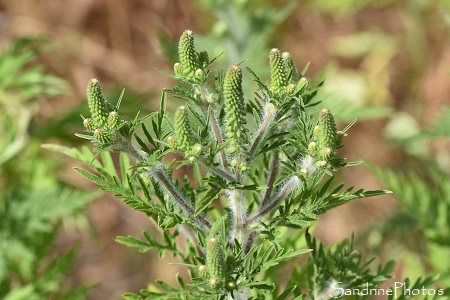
(270, 112)
(239, 216)
(218, 172)
(272, 177)
(215, 128)
(289, 187)
(161, 177)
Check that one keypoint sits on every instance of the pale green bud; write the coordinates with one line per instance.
(230, 285)
(186, 52)
(88, 123)
(290, 66)
(171, 141)
(234, 162)
(178, 69)
(327, 135)
(215, 261)
(278, 73)
(183, 131)
(234, 109)
(196, 150)
(326, 153)
(215, 283)
(321, 163)
(200, 75)
(316, 131)
(98, 105)
(103, 136)
(312, 148)
(290, 89)
(243, 167)
(203, 59)
(231, 260)
(340, 137)
(302, 83)
(203, 271)
(113, 120)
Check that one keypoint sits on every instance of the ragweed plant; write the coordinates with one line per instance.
(258, 166)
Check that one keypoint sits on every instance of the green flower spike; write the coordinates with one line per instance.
(278, 74)
(327, 136)
(98, 106)
(234, 110)
(183, 131)
(186, 51)
(215, 261)
(290, 67)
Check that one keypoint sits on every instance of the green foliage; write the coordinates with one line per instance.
(20, 85)
(340, 267)
(32, 203)
(253, 174)
(420, 229)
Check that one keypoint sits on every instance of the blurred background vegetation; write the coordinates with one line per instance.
(386, 63)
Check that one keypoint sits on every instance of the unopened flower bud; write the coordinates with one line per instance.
(230, 285)
(183, 130)
(203, 271)
(290, 89)
(290, 66)
(278, 74)
(171, 141)
(321, 163)
(327, 135)
(103, 136)
(340, 137)
(89, 124)
(98, 105)
(326, 153)
(316, 131)
(203, 59)
(178, 69)
(302, 84)
(312, 148)
(234, 110)
(214, 283)
(200, 75)
(197, 149)
(113, 120)
(186, 52)
(215, 261)
(242, 167)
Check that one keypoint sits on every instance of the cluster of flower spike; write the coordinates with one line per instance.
(192, 64)
(231, 148)
(104, 122)
(285, 81)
